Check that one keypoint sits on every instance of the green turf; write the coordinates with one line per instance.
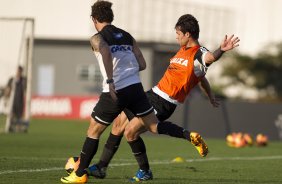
(2, 123)
(39, 157)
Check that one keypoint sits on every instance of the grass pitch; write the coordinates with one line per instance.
(39, 157)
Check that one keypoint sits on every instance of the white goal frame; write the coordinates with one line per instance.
(28, 43)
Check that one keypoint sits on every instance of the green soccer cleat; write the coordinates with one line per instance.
(199, 143)
(73, 178)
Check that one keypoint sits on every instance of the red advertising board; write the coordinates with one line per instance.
(68, 107)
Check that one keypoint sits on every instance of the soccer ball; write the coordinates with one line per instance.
(230, 139)
(235, 140)
(248, 139)
(72, 164)
(261, 140)
(239, 140)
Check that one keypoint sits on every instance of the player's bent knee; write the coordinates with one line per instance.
(95, 129)
(117, 129)
(152, 128)
(130, 134)
(150, 122)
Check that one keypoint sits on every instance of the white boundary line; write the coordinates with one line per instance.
(58, 159)
(274, 157)
(30, 170)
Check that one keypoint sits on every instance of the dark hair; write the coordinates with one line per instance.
(188, 23)
(102, 11)
(20, 68)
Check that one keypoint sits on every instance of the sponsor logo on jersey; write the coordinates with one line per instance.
(118, 35)
(181, 61)
(116, 48)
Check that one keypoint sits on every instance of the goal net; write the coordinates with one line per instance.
(16, 35)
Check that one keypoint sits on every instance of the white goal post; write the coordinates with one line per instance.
(17, 39)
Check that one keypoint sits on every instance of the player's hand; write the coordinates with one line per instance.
(214, 101)
(229, 43)
(113, 91)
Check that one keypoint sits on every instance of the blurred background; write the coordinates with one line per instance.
(50, 39)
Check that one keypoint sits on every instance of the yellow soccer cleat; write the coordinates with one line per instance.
(199, 143)
(73, 178)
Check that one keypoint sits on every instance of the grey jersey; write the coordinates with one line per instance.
(125, 65)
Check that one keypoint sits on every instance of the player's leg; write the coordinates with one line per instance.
(163, 110)
(138, 149)
(139, 105)
(132, 132)
(174, 130)
(171, 129)
(142, 108)
(98, 170)
(105, 111)
(88, 151)
(137, 145)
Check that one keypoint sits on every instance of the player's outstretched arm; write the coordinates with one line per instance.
(227, 44)
(205, 86)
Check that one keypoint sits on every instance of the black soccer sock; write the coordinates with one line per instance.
(88, 151)
(110, 149)
(173, 130)
(186, 134)
(139, 151)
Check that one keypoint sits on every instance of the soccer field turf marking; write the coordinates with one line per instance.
(235, 158)
(31, 170)
(58, 159)
(32, 158)
(152, 163)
